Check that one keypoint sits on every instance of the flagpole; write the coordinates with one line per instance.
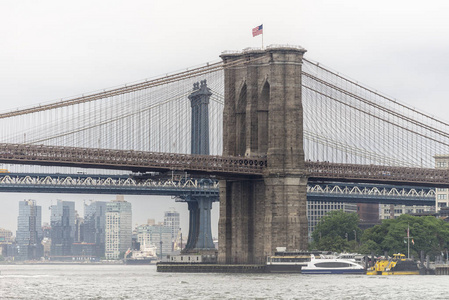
(408, 240)
(262, 40)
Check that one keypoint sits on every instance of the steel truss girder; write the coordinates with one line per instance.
(186, 188)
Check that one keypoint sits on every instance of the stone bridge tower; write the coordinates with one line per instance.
(263, 116)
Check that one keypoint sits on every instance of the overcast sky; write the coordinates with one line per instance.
(55, 49)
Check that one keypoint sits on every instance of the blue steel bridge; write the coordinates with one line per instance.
(185, 188)
(343, 138)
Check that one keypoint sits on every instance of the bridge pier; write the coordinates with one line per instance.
(263, 117)
(200, 233)
(241, 223)
(286, 213)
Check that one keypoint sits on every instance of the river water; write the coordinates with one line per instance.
(143, 282)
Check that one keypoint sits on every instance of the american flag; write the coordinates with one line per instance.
(258, 30)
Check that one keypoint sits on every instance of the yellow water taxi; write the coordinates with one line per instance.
(398, 265)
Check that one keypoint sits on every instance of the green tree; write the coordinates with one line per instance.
(369, 247)
(332, 243)
(337, 231)
(428, 234)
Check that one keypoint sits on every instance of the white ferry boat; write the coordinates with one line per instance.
(287, 261)
(329, 265)
(146, 255)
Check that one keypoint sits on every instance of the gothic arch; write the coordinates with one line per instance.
(262, 119)
(240, 113)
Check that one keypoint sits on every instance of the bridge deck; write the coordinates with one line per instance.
(220, 166)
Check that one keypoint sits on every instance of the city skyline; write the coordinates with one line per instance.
(141, 213)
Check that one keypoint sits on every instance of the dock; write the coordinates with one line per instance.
(442, 270)
(210, 268)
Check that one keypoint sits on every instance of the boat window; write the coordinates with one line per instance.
(288, 259)
(332, 264)
(293, 259)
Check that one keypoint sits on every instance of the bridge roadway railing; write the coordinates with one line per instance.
(139, 161)
(377, 173)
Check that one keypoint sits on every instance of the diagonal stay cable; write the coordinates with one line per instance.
(380, 107)
(377, 117)
(210, 68)
(176, 97)
(376, 93)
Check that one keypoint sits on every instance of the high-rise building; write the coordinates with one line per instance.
(153, 235)
(63, 229)
(441, 194)
(94, 226)
(29, 231)
(171, 220)
(118, 228)
(79, 231)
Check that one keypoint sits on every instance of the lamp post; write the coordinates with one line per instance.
(161, 248)
(355, 235)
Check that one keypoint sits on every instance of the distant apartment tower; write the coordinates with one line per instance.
(94, 227)
(390, 211)
(171, 220)
(63, 228)
(118, 227)
(29, 231)
(316, 210)
(5, 235)
(442, 194)
(7, 248)
(153, 235)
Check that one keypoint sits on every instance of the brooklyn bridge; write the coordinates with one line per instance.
(263, 122)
